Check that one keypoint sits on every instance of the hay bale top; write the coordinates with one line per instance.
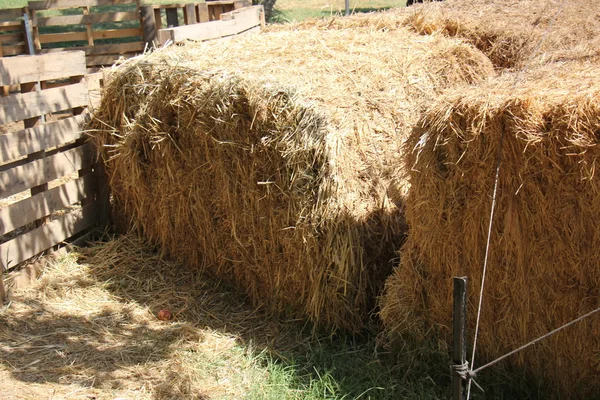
(555, 83)
(366, 88)
(509, 32)
(555, 103)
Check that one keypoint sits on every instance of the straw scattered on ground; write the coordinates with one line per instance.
(89, 329)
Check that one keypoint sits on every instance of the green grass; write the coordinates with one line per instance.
(298, 10)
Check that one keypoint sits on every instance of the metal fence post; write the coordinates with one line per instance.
(459, 336)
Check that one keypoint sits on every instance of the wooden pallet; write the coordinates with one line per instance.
(246, 20)
(85, 29)
(48, 179)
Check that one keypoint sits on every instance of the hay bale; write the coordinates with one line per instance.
(543, 265)
(266, 160)
(510, 33)
(516, 33)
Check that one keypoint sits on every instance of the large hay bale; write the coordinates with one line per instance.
(543, 264)
(266, 160)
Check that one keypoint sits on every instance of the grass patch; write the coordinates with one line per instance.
(88, 326)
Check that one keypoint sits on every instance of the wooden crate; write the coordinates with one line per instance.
(246, 20)
(48, 186)
(85, 28)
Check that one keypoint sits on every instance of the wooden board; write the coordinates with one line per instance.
(24, 142)
(86, 19)
(14, 50)
(11, 38)
(18, 107)
(98, 49)
(23, 177)
(8, 14)
(43, 204)
(118, 33)
(59, 4)
(239, 21)
(62, 37)
(31, 243)
(18, 70)
(103, 60)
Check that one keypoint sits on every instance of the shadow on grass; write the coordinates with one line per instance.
(94, 326)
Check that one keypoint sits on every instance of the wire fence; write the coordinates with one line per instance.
(466, 370)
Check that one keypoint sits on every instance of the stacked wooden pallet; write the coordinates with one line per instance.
(48, 186)
(105, 29)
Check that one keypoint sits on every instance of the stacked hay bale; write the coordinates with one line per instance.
(267, 160)
(509, 32)
(543, 263)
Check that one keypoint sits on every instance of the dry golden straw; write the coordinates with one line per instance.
(543, 266)
(267, 160)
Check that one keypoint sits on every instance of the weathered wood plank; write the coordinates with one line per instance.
(102, 60)
(98, 49)
(43, 204)
(62, 37)
(18, 107)
(82, 36)
(239, 21)
(21, 143)
(118, 33)
(203, 12)
(148, 24)
(37, 172)
(189, 14)
(87, 19)
(60, 4)
(31, 243)
(18, 70)
(14, 50)
(8, 14)
(11, 38)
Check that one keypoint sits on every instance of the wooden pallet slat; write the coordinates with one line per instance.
(232, 23)
(19, 107)
(61, 4)
(24, 177)
(11, 37)
(14, 50)
(104, 59)
(11, 25)
(94, 18)
(99, 49)
(55, 232)
(45, 38)
(14, 71)
(118, 33)
(43, 204)
(18, 144)
(8, 14)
